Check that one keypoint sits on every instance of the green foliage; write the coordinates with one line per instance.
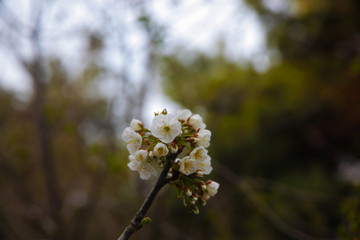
(82, 143)
(291, 125)
(350, 208)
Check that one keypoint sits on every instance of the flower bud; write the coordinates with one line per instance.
(137, 125)
(151, 155)
(199, 173)
(160, 150)
(205, 197)
(202, 201)
(146, 221)
(184, 202)
(188, 192)
(173, 148)
(195, 209)
(212, 187)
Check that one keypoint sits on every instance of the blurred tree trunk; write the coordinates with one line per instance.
(38, 77)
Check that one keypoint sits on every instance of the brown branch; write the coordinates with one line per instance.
(135, 223)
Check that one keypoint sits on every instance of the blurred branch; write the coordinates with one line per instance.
(19, 185)
(287, 190)
(150, 58)
(37, 73)
(9, 18)
(88, 209)
(264, 208)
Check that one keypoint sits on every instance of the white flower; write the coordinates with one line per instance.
(132, 138)
(212, 188)
(136, 124)
(196, 122)
(183, 114)
(187, 165)
(205, 166)
(199, 154)
(160, 150)
(166, 127)
(202, 159)
(138, 163)
(203, 138)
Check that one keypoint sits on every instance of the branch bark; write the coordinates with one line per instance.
(135, 223)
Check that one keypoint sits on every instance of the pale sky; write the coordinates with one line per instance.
(191, 26)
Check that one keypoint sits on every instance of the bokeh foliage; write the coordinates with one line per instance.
(285, 130)
(88, 160)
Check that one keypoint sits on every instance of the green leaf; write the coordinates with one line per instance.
(146, 221)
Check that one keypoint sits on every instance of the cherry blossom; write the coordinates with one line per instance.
(203, 138)
(133, 139)
(177, 145)
(166, 127)
(187, 165)
(160, 150)
(196, 122)
(138, 163)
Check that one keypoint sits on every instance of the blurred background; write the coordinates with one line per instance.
(277, 82)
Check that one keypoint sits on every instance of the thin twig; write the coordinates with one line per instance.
(289, 191)
(135, 223)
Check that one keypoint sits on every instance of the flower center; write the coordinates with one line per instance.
(197, 155)
(166, 128)
(187, 165)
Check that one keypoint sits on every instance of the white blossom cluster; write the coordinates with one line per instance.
(180, 140)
